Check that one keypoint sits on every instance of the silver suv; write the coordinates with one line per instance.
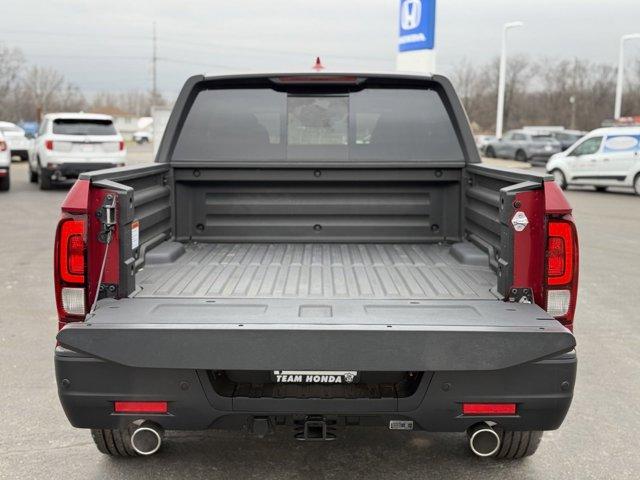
(524, 145)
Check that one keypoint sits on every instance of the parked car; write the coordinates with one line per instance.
(69, 144)
(482, 141)
(283, 265)
(19, 144)
(606, 157)
(567, 137)
(523, 145)
(5, 164)
(143, 136)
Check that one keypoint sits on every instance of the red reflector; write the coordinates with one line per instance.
(121, 145)
(559, 253)
(72, 250)
(140, 407)
(48, 144)
(489, 408)
(3, 146)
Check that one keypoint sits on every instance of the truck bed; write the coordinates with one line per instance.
(316, 271)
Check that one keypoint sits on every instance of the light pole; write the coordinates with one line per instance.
(503, 73)
(618, 107)
(572, 101)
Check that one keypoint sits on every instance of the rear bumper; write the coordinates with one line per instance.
(74, 169)
(88, 387)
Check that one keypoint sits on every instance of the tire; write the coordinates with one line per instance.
(44, 180)
(636, 184)
(600, 189)
(33, 176)
(521, 156)
(516, 445)
(559, 178)
(5, 182)
(116, 443)
(491, 153)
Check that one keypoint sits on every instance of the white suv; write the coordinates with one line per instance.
(5, 164)
(606, 157)
(71, 143)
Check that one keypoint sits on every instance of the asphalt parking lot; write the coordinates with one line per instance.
(599, 439)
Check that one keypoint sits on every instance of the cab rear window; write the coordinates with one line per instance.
(64, 126)
(369, 125)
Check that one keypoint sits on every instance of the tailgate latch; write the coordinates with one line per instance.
(521, 295)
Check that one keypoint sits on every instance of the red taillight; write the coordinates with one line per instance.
(3, 146)
(140, 407)
(70, 267)
(121, 145)
(490, 409)
(72, 251)
(561, 269)
(48, 144)
(559, 253)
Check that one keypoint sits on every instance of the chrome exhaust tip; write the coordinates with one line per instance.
(484, 441)
(146, 438)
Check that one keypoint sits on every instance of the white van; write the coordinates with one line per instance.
(606, 157)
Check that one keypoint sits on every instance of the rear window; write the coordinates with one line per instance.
(64, 126)
(263, 124)
(11, 130)
(541, 138)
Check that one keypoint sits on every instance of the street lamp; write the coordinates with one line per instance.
(618, 107)
(572, 101)
(502, 79)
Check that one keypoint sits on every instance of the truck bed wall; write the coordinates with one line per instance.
(318, 205)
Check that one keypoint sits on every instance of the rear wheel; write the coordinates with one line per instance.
(116, 443)
(44, 179)
(636, 184)
(33, 176)
(600, 189)
(559, 178)
(490, 152)
(517, 445)
(5, 182)
(521, 156)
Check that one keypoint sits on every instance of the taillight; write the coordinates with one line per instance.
(561, 269)
(48, 144)
(70, 268)
(121, 145)
(3, 146)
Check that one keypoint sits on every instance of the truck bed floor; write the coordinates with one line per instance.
(323, 271)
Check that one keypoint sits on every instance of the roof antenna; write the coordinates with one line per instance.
(318, 65)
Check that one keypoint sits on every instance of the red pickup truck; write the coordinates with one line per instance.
(314, 252)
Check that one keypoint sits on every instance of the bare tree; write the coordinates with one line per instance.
(41, 84)
(11, 63)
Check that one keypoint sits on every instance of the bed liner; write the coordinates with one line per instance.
(316, 271)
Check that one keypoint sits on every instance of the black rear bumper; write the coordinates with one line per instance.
(89, 386)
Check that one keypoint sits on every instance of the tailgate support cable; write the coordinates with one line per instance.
(108, 225)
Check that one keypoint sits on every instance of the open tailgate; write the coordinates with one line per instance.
(383, 335)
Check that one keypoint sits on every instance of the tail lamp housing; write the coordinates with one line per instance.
(48, 144)
(70, 268)
(3, 145)
(561, 269)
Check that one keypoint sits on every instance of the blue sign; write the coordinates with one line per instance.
(417, 25)
(621, 143)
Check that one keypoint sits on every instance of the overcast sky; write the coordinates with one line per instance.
(102, 45)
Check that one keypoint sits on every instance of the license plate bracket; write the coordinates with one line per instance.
(315, 377)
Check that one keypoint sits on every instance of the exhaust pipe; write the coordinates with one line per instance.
(484, 441)
(146, 437)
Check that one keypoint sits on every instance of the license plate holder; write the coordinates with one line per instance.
(315, 377)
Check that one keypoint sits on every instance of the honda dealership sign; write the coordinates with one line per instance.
(417, 35)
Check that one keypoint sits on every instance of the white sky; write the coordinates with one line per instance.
(106, 45)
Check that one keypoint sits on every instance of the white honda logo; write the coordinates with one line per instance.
(410, 14)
